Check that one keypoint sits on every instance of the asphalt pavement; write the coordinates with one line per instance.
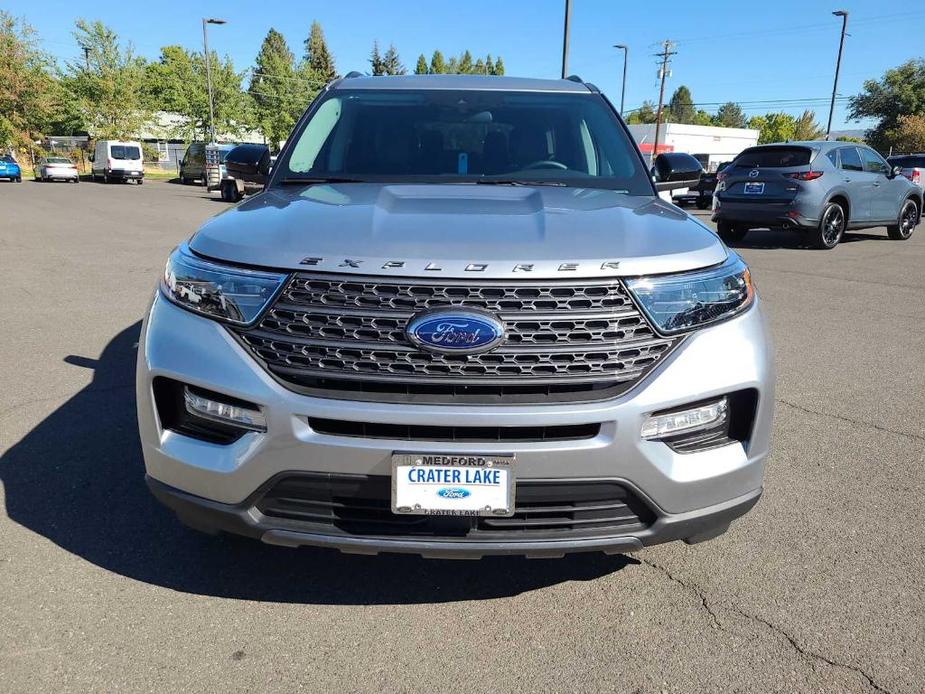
(820, 588)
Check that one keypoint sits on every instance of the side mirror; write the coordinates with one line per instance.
(677, 166)
(92, 157)
(896, 171)
(263, 168)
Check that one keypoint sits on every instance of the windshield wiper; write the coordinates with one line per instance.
(516, 182)
(308, 180)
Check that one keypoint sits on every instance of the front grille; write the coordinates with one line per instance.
(584, 340)
(423, 432)
(360, 505)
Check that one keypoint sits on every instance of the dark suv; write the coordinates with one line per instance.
(820, 188)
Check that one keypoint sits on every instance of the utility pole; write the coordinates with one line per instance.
(665, 56)
(568, 17)
(626, 57)
(841, 45)
(87, 57)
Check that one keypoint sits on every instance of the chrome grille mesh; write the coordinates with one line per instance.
(572, 332)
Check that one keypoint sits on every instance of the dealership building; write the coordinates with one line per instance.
(711, 145)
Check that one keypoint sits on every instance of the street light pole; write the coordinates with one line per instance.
(626, 57)
(205, 49)
(841, 45)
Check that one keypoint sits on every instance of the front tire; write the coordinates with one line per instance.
(730, 233)
(905, 225)
(831, 227)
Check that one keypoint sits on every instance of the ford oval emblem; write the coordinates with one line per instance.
(453, 493)
(450, 331)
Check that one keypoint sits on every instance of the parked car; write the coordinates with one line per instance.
(9, 169)
(56, 169)
(819, 188)
(245, 171)
(458, 321)
(114, 160)
(912, 165)
(701, 194)
(193, 164)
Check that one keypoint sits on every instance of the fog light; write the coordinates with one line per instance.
(226, 413)
(698, 418)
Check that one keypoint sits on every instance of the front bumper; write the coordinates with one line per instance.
(691, 496)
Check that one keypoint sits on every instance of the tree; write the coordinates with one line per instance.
(479, 68)
(774, 127)
(437, 64)
(177, 83)
(278, 93)
(391, 63)
(375, 60)
(465, 63)
(489, 65)
(849, 138)
(317, 56)
(730, 115)
(681, 106)
(806, 128)
(900, 92)
(108, 83)
(29, 97)
(421, 67)
(908, 135)
(499, 67)
(643, 114)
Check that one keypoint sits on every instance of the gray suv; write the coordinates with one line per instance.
(458, 321)
(819, 188)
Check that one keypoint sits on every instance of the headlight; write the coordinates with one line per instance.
(675, 303)
(230, 294)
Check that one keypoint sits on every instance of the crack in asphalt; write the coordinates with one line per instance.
(878, 427)
(804, 652)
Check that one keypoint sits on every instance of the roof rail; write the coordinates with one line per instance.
(353, 73)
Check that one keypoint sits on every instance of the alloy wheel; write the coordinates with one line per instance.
(833, 225)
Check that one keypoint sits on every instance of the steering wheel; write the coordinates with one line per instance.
(545, 164)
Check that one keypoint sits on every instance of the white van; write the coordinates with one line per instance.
(114, 160)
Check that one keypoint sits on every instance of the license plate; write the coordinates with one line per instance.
(452, 485)
(754, 188)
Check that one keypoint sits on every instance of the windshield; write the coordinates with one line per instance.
(774, 157)
(58, 160)
(449, 136)
(124, 152)
(8, 159)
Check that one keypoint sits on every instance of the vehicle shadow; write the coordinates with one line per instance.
(761, 239)
(77, 479)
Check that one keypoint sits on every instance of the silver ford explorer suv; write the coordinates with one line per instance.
(459, 321)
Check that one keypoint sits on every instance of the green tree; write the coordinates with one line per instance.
(730, 115)
(465, 63)
(108, 84)
(849, 138)
(376, 63)
(30, 98)
(317, 56)
(278, 92)
(479, 68)
(900, 92)
(177, 83)
(908, 135)
(774, 127)
(421, 67)
(806, 128)
(643, 114)
(499, 67)
(681, 107)
(437, 64)
(391, 63)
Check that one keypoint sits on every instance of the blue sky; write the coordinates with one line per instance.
(741, 51)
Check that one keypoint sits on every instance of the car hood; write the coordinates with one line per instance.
(460, 231)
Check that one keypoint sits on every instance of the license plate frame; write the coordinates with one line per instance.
(423, 498)
(754, 188)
